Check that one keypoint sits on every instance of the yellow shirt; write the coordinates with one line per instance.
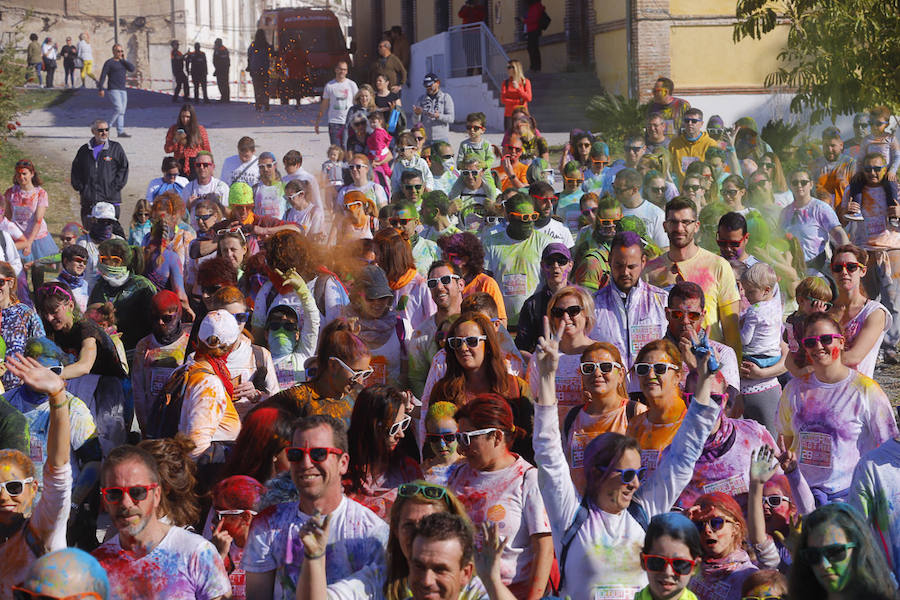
(685, 152)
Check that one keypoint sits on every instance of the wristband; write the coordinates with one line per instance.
(309, 556)
(65, 401)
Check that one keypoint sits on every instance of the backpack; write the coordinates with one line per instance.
(165, 412)
(544, 21)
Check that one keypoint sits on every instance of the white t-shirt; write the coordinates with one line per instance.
(340, 98)
(184, 566)
(215, 186)
(356, 541)
(233, 170)
(312, 182)
(875, 491)
(653, 217)
(368, 584)
(510, 498)
(156, 183)
(559, 232)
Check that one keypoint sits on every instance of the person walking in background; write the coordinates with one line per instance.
(535, 23)
(198, 69)
(434, 110)
(86, 54)
(100, 170)
(221, 68)
(34, 58)
(258, 56)
(181, 80)
(389, 64)
(337, 98)
(115, 69)
(516, 92)
(69, 53)
(49, 52)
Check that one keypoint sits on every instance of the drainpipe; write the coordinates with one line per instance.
(629, 49)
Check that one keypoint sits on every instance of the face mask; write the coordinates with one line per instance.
(280, 343)
(101, 231)
(114, 276)
(72, 280)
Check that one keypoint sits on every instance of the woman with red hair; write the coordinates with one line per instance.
(411, 295)
(499, 486)
(725, 563)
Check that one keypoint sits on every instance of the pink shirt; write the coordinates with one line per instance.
(23, 205)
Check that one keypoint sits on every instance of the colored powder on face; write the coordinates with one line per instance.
(835, 353)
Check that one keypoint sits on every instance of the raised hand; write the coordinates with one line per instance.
(547, 350)
(292, 278)
(487, 561)
(762, 465)
(314, 535)
(221, 539)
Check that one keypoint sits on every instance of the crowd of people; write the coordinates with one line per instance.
(422, 371)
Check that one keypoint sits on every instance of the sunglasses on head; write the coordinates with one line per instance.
(676, 314)
(465, 437)
(20, 593)
(316, 454)
(137, 493)
(714, 523)
(525, 217)
(447, 438)
(826, 340)
(851, 267)
(443, 279)
(14, 487)
(557, 313)
(656, 563)
(429, 491)
(589, 368)
(775, 500)
(660, 368)
(833, 552)
(401, 425)
(472, 341)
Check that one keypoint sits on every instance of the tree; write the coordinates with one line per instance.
(616, 116)
(12, 74)
(841, 56)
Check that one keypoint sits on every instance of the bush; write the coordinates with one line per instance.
(12, 74)
(616, 116)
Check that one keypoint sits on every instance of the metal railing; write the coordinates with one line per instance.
(475, 51)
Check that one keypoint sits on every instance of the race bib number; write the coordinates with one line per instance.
(37, 452)
(815, 449)
(379, 371)
(686, 162)
(568, 391)
(285, 377)
(572, 220)
(731, 486)
(238, 579)
(515, 284)
(580, 440)
(614, 592)
(158, 379)
(650, 459)
(641, 335)
(670, 127)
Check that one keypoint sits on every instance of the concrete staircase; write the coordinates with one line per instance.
(560, 99)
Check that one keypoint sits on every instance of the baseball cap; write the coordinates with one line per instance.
(375, 283)
(556, 248)
(715, 122)
(103, 210)
(430, 79)
(240, 194)
(219, 328)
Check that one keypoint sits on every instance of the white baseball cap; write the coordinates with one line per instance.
(219, 328)
(103, 210)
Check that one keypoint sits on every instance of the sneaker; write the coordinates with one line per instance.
(891, 356)
(124, 134)
(854, 217)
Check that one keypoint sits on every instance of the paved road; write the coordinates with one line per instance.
(60, 130)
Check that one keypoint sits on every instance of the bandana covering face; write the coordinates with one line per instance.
(164, 301)
(101, 230)
(281, 343)
(114, 276)
(73, 281)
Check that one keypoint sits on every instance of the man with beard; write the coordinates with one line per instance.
(592, 245)
(157, 355)
(446, 287)
(627, 188)
(512, 255)
(732, 236)
(130, 294)
(686, 261)
(274, 556)
(545, 199)
(629, 312)
(556, 264)
(147, 558)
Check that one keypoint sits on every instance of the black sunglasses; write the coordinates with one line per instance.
(833, 552)
(557, 312)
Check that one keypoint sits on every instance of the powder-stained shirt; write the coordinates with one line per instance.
(379, 494)
(269, 200)
(516, 266)
(876, 492)
(710, 271)
(852, 328)
(828, 435)
(510, 498)
(357, 539)
(811, 224)
(183, 566)
(152, 366)
(569, 392)
(652, 437)
(207, 413)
